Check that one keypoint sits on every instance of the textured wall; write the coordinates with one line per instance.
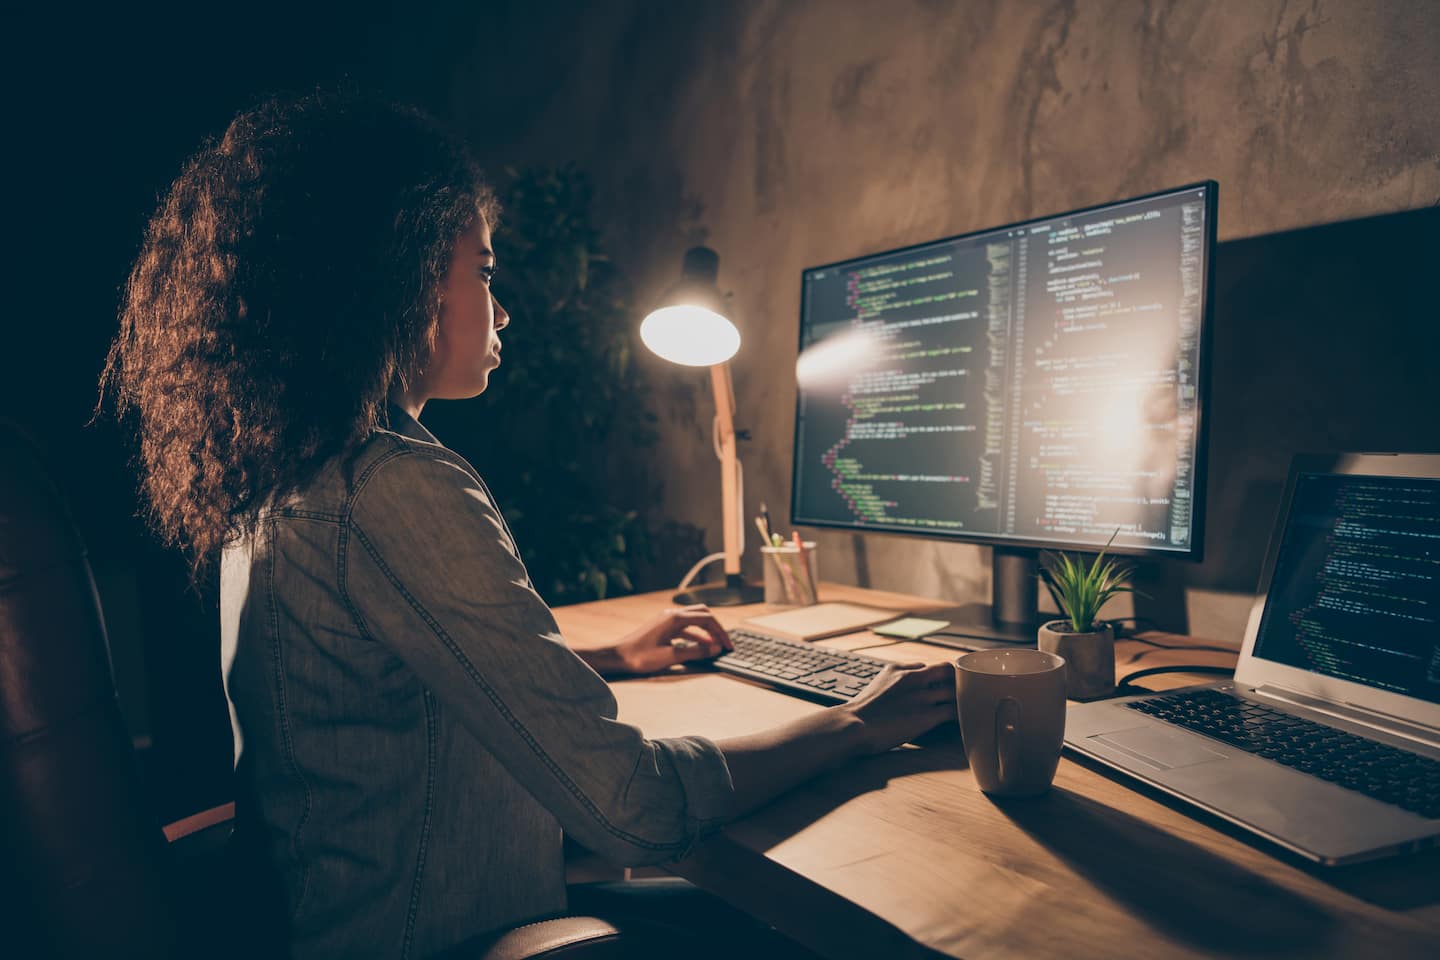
(787, 134)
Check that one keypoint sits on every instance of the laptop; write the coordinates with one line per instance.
(1327, 741)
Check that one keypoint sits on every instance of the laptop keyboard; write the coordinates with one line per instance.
(800, 668)
(1375, 769)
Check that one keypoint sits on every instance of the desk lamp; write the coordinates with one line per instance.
(690, 328)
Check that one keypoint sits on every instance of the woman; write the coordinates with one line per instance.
(412, 734)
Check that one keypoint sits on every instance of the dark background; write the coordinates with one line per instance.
(786, 136)
(113, 102)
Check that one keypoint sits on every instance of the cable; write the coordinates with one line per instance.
(1127, 681)
(699, 565)
(1183, 646)
(1128, 633)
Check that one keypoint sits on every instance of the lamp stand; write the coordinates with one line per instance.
(735, 590)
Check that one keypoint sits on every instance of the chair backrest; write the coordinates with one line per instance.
(84, 860)
(84, 868)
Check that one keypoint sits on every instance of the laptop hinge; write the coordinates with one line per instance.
(1409, 729)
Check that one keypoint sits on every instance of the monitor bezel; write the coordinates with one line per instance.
(1196, 550)
(1253, 670)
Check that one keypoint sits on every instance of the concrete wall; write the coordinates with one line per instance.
(788, 134)
(785, 135)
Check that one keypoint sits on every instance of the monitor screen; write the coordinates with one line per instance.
(1039, 384)
(1355, 593)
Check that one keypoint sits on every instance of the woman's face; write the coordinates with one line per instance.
(467, 347)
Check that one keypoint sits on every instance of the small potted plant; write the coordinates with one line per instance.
(1087, 645)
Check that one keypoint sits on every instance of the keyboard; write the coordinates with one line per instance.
(799, 668)
(1378, 770)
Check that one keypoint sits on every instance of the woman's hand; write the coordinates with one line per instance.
(903, 702)
(679, 635)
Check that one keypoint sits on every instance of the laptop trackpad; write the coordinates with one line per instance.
(1160, 748)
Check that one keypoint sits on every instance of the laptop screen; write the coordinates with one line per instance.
(1356, 588)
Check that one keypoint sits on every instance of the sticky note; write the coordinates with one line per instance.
(910, 628)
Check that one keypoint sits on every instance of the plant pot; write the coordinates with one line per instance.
(1089, 658)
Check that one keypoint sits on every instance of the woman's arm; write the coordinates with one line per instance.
(431, 576)
(679, 635)
(901, 703)
(453, 601)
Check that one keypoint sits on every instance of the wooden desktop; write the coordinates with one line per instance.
(902, 856)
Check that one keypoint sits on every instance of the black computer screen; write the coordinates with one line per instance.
(1356, 588)
(1038, 384)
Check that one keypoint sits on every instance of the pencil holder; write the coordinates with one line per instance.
(785, 579)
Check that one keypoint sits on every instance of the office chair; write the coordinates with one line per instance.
(87, 872)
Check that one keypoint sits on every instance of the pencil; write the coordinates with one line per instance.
(792, 589)
(789, 585)
(805, 566)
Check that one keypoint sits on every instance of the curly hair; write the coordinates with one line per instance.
(289, 280)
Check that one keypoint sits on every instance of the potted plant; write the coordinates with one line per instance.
(1087, 645)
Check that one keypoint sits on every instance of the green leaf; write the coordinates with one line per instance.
(1081, 590)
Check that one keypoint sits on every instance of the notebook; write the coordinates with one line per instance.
(819, 620)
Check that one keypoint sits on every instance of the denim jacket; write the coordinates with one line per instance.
(412, 734)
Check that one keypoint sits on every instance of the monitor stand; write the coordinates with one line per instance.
(1012, 618)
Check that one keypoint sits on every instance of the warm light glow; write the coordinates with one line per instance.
(837, 358)
(693, 336)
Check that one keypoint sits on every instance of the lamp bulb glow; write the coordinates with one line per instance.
(690, 335)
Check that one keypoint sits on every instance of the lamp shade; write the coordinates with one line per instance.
(689, 326)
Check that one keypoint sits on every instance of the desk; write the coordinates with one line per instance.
(901, 855)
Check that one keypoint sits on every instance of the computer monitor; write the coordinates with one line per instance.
(1036, 385)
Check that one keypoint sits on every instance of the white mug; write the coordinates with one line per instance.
(1012, 718)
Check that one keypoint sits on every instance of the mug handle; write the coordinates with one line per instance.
(1007, 739)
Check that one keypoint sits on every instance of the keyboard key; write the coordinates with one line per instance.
(1379, 770)
(800, 668)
